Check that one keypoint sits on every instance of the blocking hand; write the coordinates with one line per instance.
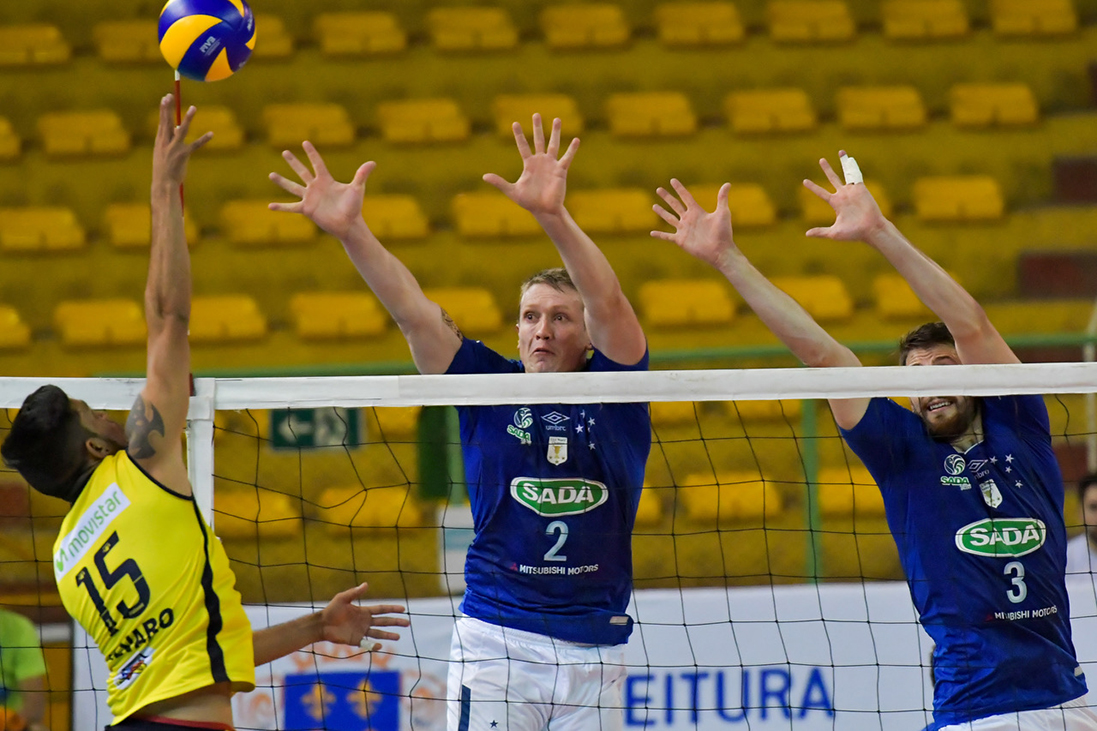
(333, 206)
(541, 187)
(707, 236)
(856, 212)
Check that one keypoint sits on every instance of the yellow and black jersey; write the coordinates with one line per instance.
(139, 569)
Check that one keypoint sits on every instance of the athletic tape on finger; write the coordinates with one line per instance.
(851, 171)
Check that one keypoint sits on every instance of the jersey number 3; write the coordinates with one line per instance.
(110, 578)
(1018, 591)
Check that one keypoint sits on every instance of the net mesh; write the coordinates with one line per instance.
(768, 589)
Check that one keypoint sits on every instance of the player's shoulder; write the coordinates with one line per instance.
(475, 357)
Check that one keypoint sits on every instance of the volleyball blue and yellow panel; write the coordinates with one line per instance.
(206, 40)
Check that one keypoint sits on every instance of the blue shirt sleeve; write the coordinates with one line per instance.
(599, 362)
(1027, 415)
(475, 357)
(885, 438)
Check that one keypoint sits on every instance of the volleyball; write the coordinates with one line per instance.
(206, 40)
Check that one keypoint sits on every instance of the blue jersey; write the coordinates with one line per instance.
(554, 491)
(982, 540)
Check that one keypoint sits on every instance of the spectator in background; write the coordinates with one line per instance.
(22, 670)
(1082, 549)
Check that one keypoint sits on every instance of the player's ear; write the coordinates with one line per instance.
(98, 448)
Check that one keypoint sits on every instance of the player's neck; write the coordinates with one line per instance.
(971, 437)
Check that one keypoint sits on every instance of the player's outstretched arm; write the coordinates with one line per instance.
(611, 322)
(342, 621)
(858, 218)
(337, 209)
(709, 237)
(156, 421)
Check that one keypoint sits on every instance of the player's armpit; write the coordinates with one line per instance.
(143, 423)
(451, 324)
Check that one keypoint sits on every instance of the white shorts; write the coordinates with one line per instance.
(1073, 715)
(503, 679)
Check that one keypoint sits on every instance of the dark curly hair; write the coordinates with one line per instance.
(926, 336)
(46, 442)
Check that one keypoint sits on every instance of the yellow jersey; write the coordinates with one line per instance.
(140, 570)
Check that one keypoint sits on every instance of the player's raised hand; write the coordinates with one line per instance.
(333, 206)
(707, 236)
(541, 187)
(171, 151)
(856, 214)
(347, 623)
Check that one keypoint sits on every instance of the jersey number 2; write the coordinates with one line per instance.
(110, 578)
(556, 526)
(1019, 591)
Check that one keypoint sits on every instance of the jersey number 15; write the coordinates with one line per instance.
(110, 578)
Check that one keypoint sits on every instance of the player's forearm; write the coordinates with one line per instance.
(168, 289)
(790, 322)
(933, 285)
(278, 641)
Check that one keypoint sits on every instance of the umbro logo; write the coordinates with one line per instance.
(555, 421)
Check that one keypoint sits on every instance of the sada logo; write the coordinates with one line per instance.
(954, 464)
(1001, 537)
(523, 418)
(568, 496)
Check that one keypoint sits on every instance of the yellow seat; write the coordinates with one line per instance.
(985, 105)
(614, 211)
(96, 132)
(471, 29)
(325, 125)
(598, 25)
(85, 323)
(698, 23)
(749, 203)
(395, 217)
(277, 42)
(799, 21)
(127, 41)
(40, 229)
(375, 508)
(729, 497)
(256, 512)
(880, 107)
(472, 308)
(336, 315)
(14, 333)
(817, 212)
(398, 422)
(252, 223)
(915, 20)
(824, 296)
(686, 303)
(650, 114)
(673, 413)
(958, 198)
(848, 491)
(10, 144)
(770, 110)
(226, 319)
(1033, 17)
(787, 410)
(227, 132)
(32, 44)
(650, 510)
(507, 109)
(129, 226)
(895, 300)
(423, 120)
(359, 33)
(490, 215)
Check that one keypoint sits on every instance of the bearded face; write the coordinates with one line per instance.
(946, 417)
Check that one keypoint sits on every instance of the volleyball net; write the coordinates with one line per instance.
(768, 591)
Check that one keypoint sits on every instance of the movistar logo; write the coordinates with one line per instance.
(1002, 536)
(568, 496)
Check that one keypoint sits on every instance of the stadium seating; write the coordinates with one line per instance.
(749, 204)
(824, 296)
(228, 135)
(129, 226)
(848, 491)
(573, 26)
(393, 217)
(32, 44)
(770, 110)
(472, 308)
(336, 315)
(46, 229)
(703, 23)
(99, 323)
(326, 125)
(127, 41)
(95, 132)
(651, 510)
(987, 105)
(471, 29)
(1033, 17)
(252, 223)
(506, 109)
(396, 422)
(375, 508)
(613, 211)
(919, 20)
(809, 21)
(671, 413)
(225, 319)
(358, 33)
(728, 497)
(817, 212)
(787, 410)
(491, 215)
(650, 114)
(880, 108)
(423, 121)
(10, 144)
(14, 333)
(680, 303)
(277, 42)
(251, 512)
(958, 198)
(895, 300)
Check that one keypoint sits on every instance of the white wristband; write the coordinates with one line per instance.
(850, 170)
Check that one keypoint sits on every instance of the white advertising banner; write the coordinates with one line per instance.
(833, 656)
